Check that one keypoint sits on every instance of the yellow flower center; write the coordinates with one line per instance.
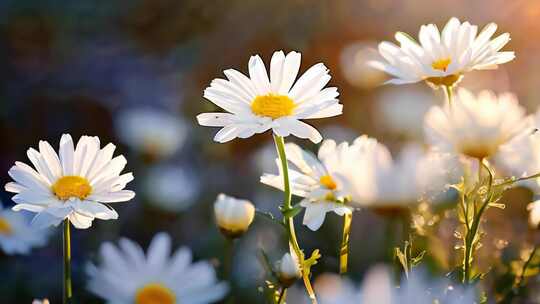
(154, 293)
(273, 106)
(5, 227)
(441, 64)
(328, 182)
(71, 186)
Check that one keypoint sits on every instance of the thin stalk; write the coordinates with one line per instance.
(68, 293)
(472, 231)
(344, 248)
(467, 260)
(282, 295)
(289, 220)
(227, 259)
(525, 267)
(519, 179)
(227, 267)
(519, 284)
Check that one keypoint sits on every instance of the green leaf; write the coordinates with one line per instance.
(291, 212)
(402, 258)
(313, 260)
(416, 260)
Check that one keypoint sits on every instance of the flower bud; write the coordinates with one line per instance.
(289, 270)
(233, 216)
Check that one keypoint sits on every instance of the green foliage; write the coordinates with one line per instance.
(313, 260)
(290, 212)
(475, 199)
(406, 259)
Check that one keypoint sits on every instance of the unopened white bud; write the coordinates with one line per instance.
(233, 216)
(289, 270)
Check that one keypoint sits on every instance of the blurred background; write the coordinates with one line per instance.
(133, 73)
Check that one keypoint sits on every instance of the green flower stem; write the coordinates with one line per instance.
(344, 248)
(68, 293)
(282, 296)
(472, 230)
(515, 180)
(288, 220)
(525, 267)
(228, 258)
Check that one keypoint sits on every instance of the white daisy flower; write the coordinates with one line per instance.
(259, 103)
(365, 160)
(126, 275)
(318, 181)
(171, 188)
(442, 58)
(475, 126)
(400, 183)
(16, 234)
(374, 179)
(72, 185)
(154, 133)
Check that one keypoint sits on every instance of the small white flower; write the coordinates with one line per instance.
(72, 185)
(259, 103)
(365, 160)
(44, 301)
(155, 133)
(534, 214)
(233, 216)
(289, 269)
(16, 234)
(383, 183)
(127, 275)
(171, 188)
(401, 183)
(475, 126)
(442, 58)
(318, 180)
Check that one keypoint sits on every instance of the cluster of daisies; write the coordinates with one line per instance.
(470, 131)
(80, 182)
